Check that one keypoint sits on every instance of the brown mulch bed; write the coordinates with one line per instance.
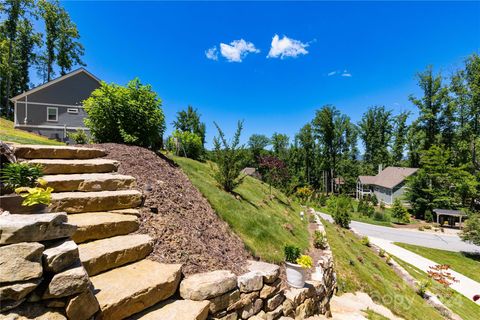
(185, 227)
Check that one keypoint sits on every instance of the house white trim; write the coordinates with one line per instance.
(45, 85)
(51, 104)
(50, 127)
(56, 114)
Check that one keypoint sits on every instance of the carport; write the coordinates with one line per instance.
(451, 215)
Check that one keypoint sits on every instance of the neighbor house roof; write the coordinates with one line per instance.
(47, 84)
(447, 212)
(389, 178)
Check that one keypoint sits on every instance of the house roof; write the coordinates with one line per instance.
(47, 84)
(389, 178)
(447, 212)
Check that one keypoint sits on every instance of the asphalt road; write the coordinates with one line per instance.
(419, 238)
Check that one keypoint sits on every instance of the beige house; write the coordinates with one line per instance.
(387, 185)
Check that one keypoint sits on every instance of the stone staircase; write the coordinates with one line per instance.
(102, 204)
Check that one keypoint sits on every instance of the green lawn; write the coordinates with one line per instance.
(360, 269)
(464, 307)
(462, 262)
(9, 134)
(356, 216)
(264, 223)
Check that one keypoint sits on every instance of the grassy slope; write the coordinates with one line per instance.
(260, 222)
(9, 134)
(459, 304)
(373, 276)
(468, 265)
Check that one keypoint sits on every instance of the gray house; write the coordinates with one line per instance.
(387, 185)
(55, 108)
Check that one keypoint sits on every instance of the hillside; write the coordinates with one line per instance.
(265, 223)
(185, 228)
(9, 134)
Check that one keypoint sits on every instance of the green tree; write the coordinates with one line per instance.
(25, 55)
(50, 13)
(376, 132)
(189, 120)
(400, 132)
(280, 143)
(257, 144)
(185, 143)
(130, 114)
(307, 144)
(399, 212)
(339, 208)
(69, 49)
(229, 159)
(430, 106)
(471, 229)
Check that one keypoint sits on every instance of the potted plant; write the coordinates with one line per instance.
(295, 265)
(23, 190)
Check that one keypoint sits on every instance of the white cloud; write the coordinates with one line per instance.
(332, 73)
(286, 47)
(346, 73)
(237, 50)
(212, 53)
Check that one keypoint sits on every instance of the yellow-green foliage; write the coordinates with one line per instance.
(9, 134)
(305, 261)
(265, 223)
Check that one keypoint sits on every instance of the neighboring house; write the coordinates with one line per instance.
(55, 108)
(387, 185)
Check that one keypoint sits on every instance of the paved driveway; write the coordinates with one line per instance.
(419, 238)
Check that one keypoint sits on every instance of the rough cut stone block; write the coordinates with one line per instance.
(251, 309)
(35, 311)
(222, 302)
(207, 285)
(250, 281)
(69, 282)
(17, 291)
(130, 289)
(228, 316)
(245, 299)
(89, 182)
(34, 227)
(64, 166)
(272, 303)
(176, 310)
(60, 255)
(269, 271)
(298, 295)
(56, 152)
(305, 310)
(275, 314)
(270, 290)
(20, 262)
(82, 306)
(76, 202)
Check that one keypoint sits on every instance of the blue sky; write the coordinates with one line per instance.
(374, 48)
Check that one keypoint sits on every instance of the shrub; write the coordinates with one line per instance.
(374, 200)
(382, 205)
(428, 216)
(79, 137)
(292, 253)
(185, 143)
(229, 159)
(399, 212)
(130, 114)
(304, 193)
(365, 241)
(322, 200)
(339, 208)
(382, 253)
(305, 261)
(422, 287)
(16, 175)
(319, 240)
(471, 229)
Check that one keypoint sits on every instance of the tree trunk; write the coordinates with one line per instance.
(9, 79)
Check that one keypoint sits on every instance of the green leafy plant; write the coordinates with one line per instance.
(130, 114)
(423, 287)
(339, 208)
(382, 253)
(79, 137)
(365, 241)
(292, 253)
(399, 212)
(305, 261)
(16, 175)
(304, 193)
(185, 144)
(36, 195)
(319, 240)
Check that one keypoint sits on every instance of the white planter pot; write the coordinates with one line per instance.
(295, 275)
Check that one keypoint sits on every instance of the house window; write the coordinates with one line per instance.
(52, 114)
(72, 110)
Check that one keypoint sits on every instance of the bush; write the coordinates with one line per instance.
(79, 137)
(322, 200)
(471, 229)
(423, 287)
(319, 240)
(365, 241)
(304, 193)
(399, 212)
(374, 200)
(185, 143)
(428, 216)
(229, 159)
(16, 175)
(339, 208)
(130, 114)
(292, 253)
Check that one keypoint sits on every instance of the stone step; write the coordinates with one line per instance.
(175, 309)
(56, 152)
(78, 202)
(90, 182)
(100, 225)
(101, 255)
(130, 289)
(66, 166)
